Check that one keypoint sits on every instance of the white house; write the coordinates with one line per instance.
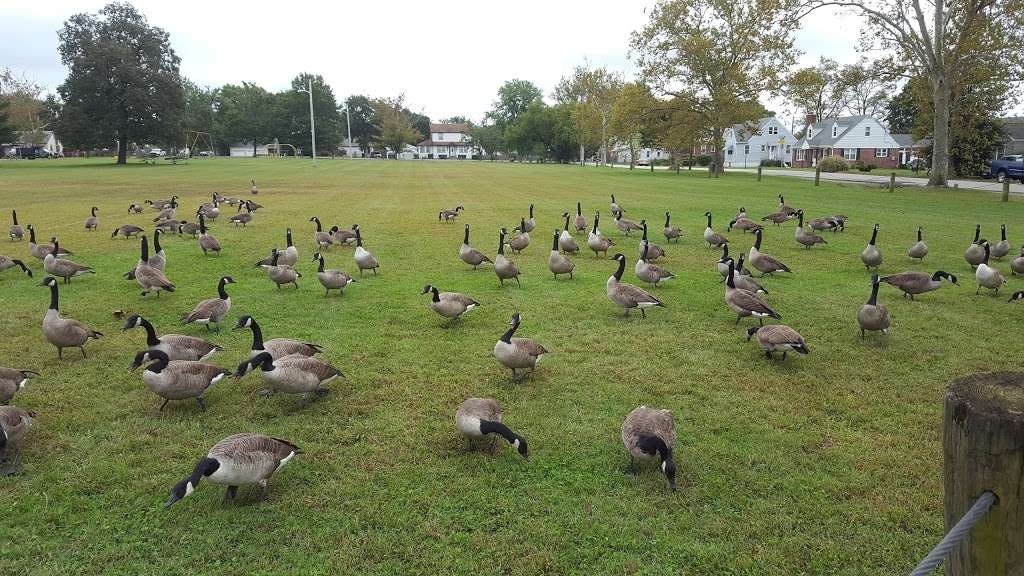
(854, 138)
(644, 156)
(245, 150)
(448, 141)
(746, 145)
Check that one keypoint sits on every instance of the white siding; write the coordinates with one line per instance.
(855, 138)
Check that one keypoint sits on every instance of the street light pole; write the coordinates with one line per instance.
(348, 121)
(312, 122)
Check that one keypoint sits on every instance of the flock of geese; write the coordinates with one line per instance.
(176, 366)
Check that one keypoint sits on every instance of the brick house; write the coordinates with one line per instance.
(854, 138)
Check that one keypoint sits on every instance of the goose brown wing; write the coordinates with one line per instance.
(906, 279)
(529, 346)
(752, 302)
(778, 334)
(482, 408)
(319, 368)
(637, 294)
(211, 308)
(258, 454)
(456, 297)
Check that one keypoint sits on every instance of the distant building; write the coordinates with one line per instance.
(245, 150)
(37, 140)
(448, 141)
(644, 156)
(746, 145)
(1014, 142)
(910, 148)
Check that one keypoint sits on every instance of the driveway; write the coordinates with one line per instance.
(880, 179)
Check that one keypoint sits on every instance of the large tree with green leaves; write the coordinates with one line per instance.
(123, 81)
(246, 113)
(293, 110)
(200, 102)
(27, 110)
(394, 125)
(591, 93)
(868, 88)
(817, 89)
(7, 134)
(514, 97)
(488, 137)
(360, 111)
(635, 119)
(716, 57)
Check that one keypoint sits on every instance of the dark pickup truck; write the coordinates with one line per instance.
(1007, 167)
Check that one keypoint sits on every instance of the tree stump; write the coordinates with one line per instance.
(983, 442)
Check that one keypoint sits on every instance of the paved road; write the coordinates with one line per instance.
(989, 185)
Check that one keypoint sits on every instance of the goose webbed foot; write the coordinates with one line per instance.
(266, 393)
(231, 493)
(8, 467)
(202, 403)
(632, 465)
(82, 348)
(321, 392)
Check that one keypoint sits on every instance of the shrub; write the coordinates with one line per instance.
(703, 160)
(772, 163)
(864, 166)
(833, 164)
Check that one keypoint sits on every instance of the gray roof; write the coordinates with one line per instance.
(823, 129)
(743, 132)
(1014, 127)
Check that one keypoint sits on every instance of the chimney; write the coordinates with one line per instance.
(809, 119)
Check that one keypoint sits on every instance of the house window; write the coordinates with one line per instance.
(867, 130)
(746, 149)
(787, 149)
(835, 130)
(729, 151)
(850, 153)
(881, 152)
(773, 130)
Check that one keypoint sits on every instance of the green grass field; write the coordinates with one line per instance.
(823, 464)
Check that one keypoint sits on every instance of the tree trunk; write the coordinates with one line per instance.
(604, 140)
(940, 131)
(582, 157)
(719, 151)
(122, 146)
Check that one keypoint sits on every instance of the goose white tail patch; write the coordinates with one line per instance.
(470, 307)
(21, 385)
(189, 489)
(285, 460)
(217, 378)
(646, 304)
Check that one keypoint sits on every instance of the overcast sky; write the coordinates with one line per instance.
(448, 58)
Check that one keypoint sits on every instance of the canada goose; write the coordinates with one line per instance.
(176, 346)
(616, 209)
(872, 316)
(913, 283)
(1016, 265)
(840, 220)
(449, 215)
(518, 353)
(14, 425)
(11, 381)
(343, 237)
(252, 189)
(41, 251)
(16, 231)
(1018, 295)
(237, 460)
(168, 212)
(289, 256)
(1001, 248)
(252, 206)
(804, 237)
(504, 268)
(280, 273)
(653, 251)
(974, 253)
(821, 224)
(745, 303)
(230, 201)
(650, 273)
(158, 259)
(322, 239)
(242, 218)
(783, 208)
(277, 347)
(597, 242)
(764, 263)
(580, 222)
(521, 240)
(478, 417)
(987, 276)
(565, 241)
(627, 296)
(745, 282)
(64, 332)
(713, 239)
(148, 277)
(190, 228)
(778, 338)
(471, 255)
(741, 214)
(161, 204)
(65, 269)
(211, 209)
(919, 249)
(364, 259)
(331, 279)
(723, 263)
(212, 310)
(745, 224)
(741, 270)
(871, 256)
(166, 226)
(451, 305)
(177, 379)
(207, 243)
(671, 232)
(92, 221)
(135, 208)
(625, 225)
(529, 224)
(6, 263)
(779, 217)
(126, 230)
(650, 434)
(559, 263)
(292, 374)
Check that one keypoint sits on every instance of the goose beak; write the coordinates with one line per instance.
(134, 366)
(672, 485)
(170, 501)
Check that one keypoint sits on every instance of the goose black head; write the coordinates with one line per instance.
(940, 274)
(244, 322)
(519, 443)
(205, 468)
(134, 321)
(515, 319)
(751, 331)
(668, 466)
(48, 281)
(618, 257)
(146, 356)
(426, 289)
(1018, 295)
(316, 256)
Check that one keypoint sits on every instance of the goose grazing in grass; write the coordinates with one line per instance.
(212, 310)
(1001, 248)
(62, 268)
(177, 379)
(803, 237)
(745, 224)
(161, 204)
(207, 243)
(873, 317)
(650, 434)
(518, 353)
(1016, 265)
(1016, 296)
(242, 218)
(914, 283)
(627, 296)
(840, 221)
(175, 346)
(252, 206)
(762, 262)
(713, 239)
(450, 305)
(280, 273)
(624, 225)
(92, 222)
(64, 332)
(16, 231)
(126, 231)
(449, 215)
(822, 224)
(478, 417)
(148, 277)
(331, 279)
(364, 260)
(289, 256)
(987, 276)
(529, 224)
(322, 239)
(519, 242)
(919, 249)
(292, 374)
(647, 272)
(166, 226)
(616, 209)
(343, 237)
(471, 255)
(975, 253)
(14, 425)
(134, 208)
(252, 188)
(168, 212)
(580, 223)
(6, 263)
(565, 241)
(778, 338)
(239, 459)
(12, 381)
(745, 303)
(871, 256)
(597, 242)
(777, 218)
(559, 263)
(41, 251)
(190, 228)
(277, 347)
(504, 268)
(652, 251)
(671, 232)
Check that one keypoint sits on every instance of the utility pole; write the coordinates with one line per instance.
(312, 122)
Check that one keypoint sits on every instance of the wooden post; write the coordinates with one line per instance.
(1006, 189)
(758, 172)
(983, 444)
(817, 175)
(892, 182)
(711, 168)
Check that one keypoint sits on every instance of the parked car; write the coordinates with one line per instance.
(205, 153)
(155, 152)
(1007, 167)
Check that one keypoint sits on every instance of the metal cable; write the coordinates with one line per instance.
(959, 532)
